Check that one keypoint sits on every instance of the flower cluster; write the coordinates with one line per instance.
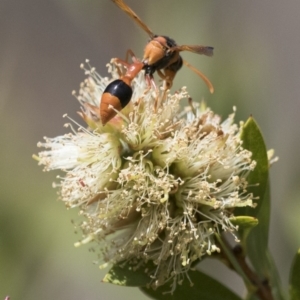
(156, 182)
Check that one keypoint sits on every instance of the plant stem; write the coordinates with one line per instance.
(234, 257)
(262, 287)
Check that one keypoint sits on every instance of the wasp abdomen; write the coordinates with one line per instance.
(117, 94)
(121, 90)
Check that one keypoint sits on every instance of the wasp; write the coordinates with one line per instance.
(161, 53)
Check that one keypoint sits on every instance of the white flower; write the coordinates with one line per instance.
(154, 183)
(89, 159)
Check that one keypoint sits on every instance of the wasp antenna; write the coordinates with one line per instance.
(200, 74)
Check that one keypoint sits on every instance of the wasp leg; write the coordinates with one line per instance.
(151, 83)
(168, 82)
(129, 52)
(201, 75)
(190, 100)
(125, 62)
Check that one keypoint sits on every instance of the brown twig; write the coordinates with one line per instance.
(261, 288)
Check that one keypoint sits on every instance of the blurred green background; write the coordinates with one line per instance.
(256, 67)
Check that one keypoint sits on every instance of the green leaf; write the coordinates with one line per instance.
(258, 252)
(257, 240)
(295, 278)
(245, 225)
(124, 275)
(244, 221)
(204, 288)
(258, 179)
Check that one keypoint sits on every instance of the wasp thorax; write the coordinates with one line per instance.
(154, 51)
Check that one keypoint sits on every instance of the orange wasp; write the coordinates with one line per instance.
(161, 55)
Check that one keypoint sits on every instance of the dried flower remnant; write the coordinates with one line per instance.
(152, 184)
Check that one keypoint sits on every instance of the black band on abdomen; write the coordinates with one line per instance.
(121, 90)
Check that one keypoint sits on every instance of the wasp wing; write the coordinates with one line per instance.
(121, 4)
(205, 50)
